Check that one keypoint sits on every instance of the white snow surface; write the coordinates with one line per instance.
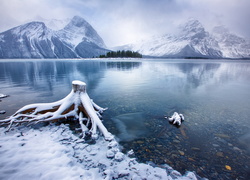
(217, 44)
(3, 95)
(176, 118)
(54, 152)
(79, 30)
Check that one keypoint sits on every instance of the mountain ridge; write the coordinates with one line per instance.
(193, 41)
(78, 39)
(36, 40)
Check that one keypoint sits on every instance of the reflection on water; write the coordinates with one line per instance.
(131, 126)
(213, 95)
(38, 74)
(245, 141)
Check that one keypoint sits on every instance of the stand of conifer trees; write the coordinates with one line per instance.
(121, 54)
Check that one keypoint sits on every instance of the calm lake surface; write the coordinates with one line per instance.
(213, 96)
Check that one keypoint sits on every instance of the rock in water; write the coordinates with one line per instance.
(3, 95)
(2, 112)
(176, 118)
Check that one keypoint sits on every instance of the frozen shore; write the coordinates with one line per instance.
(54, 152)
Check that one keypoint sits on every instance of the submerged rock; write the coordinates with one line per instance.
(195, 149)
(222, 135)
(2, 112)
(176, 141)
(181, 153)
(228, 167)
(220, 154)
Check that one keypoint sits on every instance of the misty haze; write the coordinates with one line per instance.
(126, 89)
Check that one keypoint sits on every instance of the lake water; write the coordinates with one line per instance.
(213, 96)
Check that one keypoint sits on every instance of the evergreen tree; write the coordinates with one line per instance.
(122, 54)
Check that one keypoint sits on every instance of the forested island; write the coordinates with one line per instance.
(122, 54)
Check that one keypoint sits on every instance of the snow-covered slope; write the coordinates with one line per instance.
(192, 40)
(79, 30)
(230, 44)
(36, 40)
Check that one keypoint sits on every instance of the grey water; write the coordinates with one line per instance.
(213, 96)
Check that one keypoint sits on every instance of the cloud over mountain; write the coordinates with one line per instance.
(124, 21)
(192, 40)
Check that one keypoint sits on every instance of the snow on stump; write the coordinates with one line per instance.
(76, 105)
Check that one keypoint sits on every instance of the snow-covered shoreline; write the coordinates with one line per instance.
(54, 152)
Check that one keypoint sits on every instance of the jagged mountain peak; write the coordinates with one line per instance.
(78, 22)
(78, 30)
(35, 25)
(192, 25)
(222, 34)
(193, 22)
(36, 40)
(193, 40)
(231, 44)
(34, 28)
(192, 29)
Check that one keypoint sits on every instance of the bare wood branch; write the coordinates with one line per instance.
(76, 105)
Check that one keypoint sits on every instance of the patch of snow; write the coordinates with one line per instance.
(2, 112)
(110, 153)
(2, 38)
(176, 118)
(119, 156)
(218, 43)
(54, 152)
(3, 95)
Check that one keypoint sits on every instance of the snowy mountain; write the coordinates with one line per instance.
(192, 40)
(36, 40)
(74, 31)
(230, 44)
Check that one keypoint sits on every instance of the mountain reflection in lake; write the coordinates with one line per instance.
(213, 95)
(131, 126)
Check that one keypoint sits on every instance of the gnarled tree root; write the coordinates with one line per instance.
(76, 104)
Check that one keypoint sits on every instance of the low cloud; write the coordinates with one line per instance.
(124, 21)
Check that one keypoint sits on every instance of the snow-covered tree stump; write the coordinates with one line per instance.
(76, 105)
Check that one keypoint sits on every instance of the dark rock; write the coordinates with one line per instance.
(2, 112)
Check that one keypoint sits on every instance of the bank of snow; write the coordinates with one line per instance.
(54, 152)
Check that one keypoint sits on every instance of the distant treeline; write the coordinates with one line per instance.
(122, 54)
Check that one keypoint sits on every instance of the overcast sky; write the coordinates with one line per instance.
(120, 22)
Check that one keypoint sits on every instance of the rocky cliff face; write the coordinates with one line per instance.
(36, 40)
